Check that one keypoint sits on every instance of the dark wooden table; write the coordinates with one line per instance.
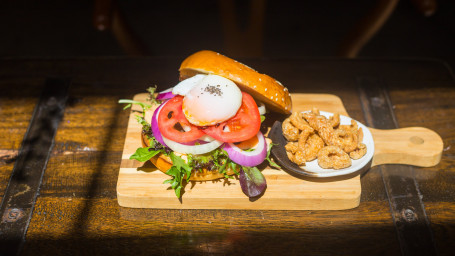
(73, 208)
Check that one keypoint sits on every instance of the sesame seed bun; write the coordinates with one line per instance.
(262, 87)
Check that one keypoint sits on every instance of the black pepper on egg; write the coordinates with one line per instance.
(213, 90)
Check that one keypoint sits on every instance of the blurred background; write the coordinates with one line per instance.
(237, 28)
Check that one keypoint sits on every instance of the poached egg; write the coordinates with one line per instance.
(209, 99)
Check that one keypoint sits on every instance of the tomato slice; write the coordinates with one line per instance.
(244, 125)
(171, 120)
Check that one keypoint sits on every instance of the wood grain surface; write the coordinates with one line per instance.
(140, 185)
(77, 212)
(16, 109)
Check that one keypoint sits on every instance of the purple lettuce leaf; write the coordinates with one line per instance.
(252, 181)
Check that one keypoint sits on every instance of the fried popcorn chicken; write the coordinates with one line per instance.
(352, 127)
(346, 139)
(322, 126)
(359, 152)
(292, 147)
(333, 157)
(335, 120)
(360, 135)
(290, 132)
(299, 158)
(313, 144)
(312, 136)
(290, 156)
(303, 138)
(297, 120)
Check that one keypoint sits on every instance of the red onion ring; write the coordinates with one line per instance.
(165, 95)
(155, 130)
(248, 158)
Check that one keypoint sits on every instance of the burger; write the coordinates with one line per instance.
(208, 126)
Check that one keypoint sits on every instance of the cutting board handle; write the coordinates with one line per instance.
(416, 146)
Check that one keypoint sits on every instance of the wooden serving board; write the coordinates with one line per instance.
(141, 185)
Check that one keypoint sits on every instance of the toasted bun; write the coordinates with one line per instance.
(163, 163)
(262, 87)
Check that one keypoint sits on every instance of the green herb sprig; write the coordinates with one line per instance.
(271, 162)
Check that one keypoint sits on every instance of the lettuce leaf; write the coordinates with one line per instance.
(252, 181)
(179, 170)
(144, 154)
